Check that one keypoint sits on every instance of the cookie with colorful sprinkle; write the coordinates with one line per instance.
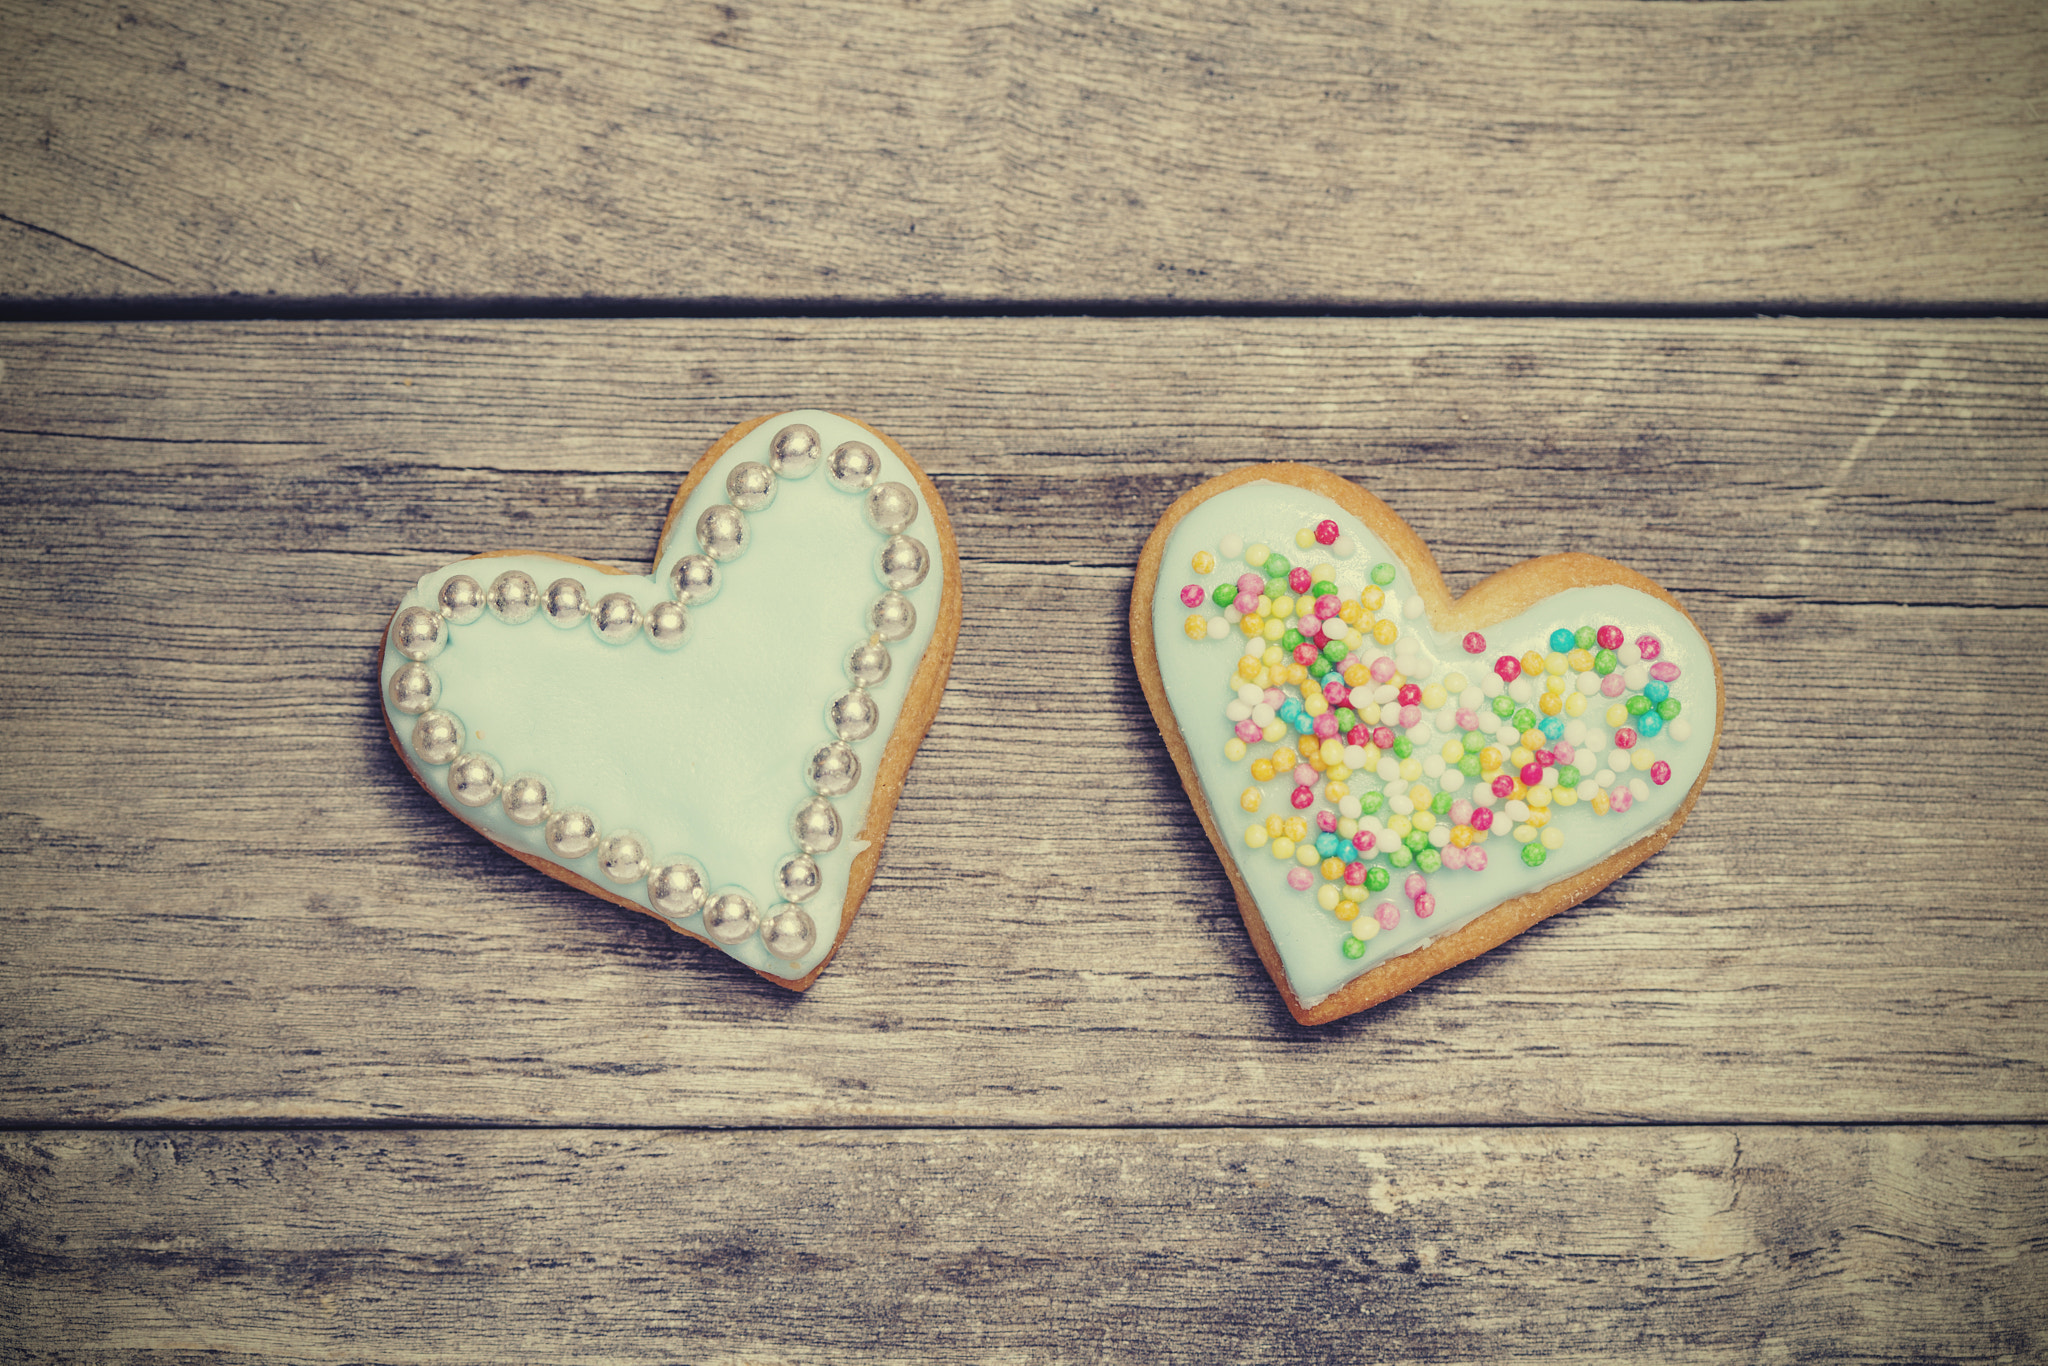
(719, 744)
(1397, 780)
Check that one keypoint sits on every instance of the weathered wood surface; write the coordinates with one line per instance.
(1574, 152)
(1738, 1245)
(224, 900)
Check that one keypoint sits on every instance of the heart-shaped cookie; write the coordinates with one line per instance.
(719, 744)
(1397, 780)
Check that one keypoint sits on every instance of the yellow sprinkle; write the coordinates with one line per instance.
(1453, 751)
(1272, 655)
(1617, 716)
(1424, 819)
(1196, 627)
(1398, 826)
(1297, 828)
(1283, 848)
(1262, 770)
(1643, 759)
(1304, 538)
(1554, 662)
(1553, 839)
(1255, 836)
(1456, 681)
(1204, 562)
(1333, 750)
(1348, 911)
(1314, 704)
(1575, 704)
(1273, 629)
(1327, 898)
(1538, 798)
(1556, 683)
(1255, 554)
(1283, 758)
(1234, 749)
(1354, 893)
(1385, 632)
(1372, 597)
(1306, 855)
(1365, 928)
(1346, 827)
(1274, 730)
(1550, 704)
(1521, 754)
(1411, 769)
(1283, 606)
(1420, 794)
(1331, 869)
(1276, 825)
(1335, 792)
(1322, 573)
(1564, 796)
(1580, 660)
(1434, 697)
(1525, 832)
(1250, 799)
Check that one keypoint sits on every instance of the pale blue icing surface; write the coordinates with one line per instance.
(702, 750)
(1199, 681)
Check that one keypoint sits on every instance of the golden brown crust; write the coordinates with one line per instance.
(920, 702)
(1494, 599)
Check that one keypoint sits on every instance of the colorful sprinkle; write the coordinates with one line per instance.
(1191, 596)
(1326, 532)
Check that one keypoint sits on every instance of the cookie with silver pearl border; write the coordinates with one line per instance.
(1394, 779)
(720, 743)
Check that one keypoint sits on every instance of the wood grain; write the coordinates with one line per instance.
(1719, 1245)
(1450, 152)
(223, 901)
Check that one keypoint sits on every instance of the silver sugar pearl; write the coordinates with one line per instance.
(854, 715)
(419, 633)
(694, 580)
(731, 919)
(413, 689)
(833, 770)
(667, 624)
(525, 799)
(722, 532)
(789, 933)
(891, 507)
(437, 737)
(902, 562)
(616, 618)
(473, 780)
(794, 451)
(815, 827)
(798, 877)
(513, 597)
(868, 664)
(676, 888)
(623, 856)
(892, 616)
(462, 599)
(565, 603)
(853, 467)
(571, 833)
(751, 486)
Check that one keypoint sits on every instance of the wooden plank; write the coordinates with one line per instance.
(1884, 152)
(223, 899)
(1710, 1245)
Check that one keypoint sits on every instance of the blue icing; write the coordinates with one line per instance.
(1199, 680)
(702, 750)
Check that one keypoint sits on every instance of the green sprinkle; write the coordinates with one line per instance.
(1290, 638)
(1383, 574)
(1354, 947)
(1277, 588)
(1469, 765)
(1346, 719)
(1334, 651)
(1322, 588)
(1441, 803)
(1605, 663)
(1416, 840)
(1376, 879)
(1503, 706)
(1668, 708)
(1369, 803)
(1533, 854)
(1403, 747)
(1429, 860)
(1523, 718)
(1399, 857)
(1318, 667)
(1587, 638)
(1638, 704)
(1225, 594)
(1276, 567)
(1567, 775)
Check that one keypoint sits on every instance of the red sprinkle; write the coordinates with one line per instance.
(1532, 774)
(1298, 579)
(1326, 533)
(1304, 798)
(1475, 644)
(1660, 773)
(1650, 646)
(1609, 637)
(1625, 738)
(1503, 786)
(1360, 735)
(1354, 875)
(1410, 695)
(1304, 654)
(1545, 758)
(1508, 667)
(1383, 737)
(1482, 819)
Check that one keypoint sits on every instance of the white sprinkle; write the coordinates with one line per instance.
(1446, 720)
(1636, 675)
(1433, 766)
(1491, 685)
(1217, 628)
(1679, 730)
(1472, 699)
(1237, 711)
(1412, 608)
(1521, 690)
(1263, 715)
(1640, 788)
(1575, 733)
(1453, 780)
(1517, 810)
(1588, 683)
(1354, 757)
(1251, 694)
(1628, 654)
(1349, 808)
(1388, 769)
(1231, 546)
(1343, 548)
(1401, 806)
(1385, 693)
(1604, 778)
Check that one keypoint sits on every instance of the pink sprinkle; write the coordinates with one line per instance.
(1625, 738)
(1622, 799)
(1563, 750)
(1382, 669)
(1191, 596)
(1304, 654)
(1482, 819)
(1335, 693)
(1475, 860)
(1475, 644)
(1304, 775)
(1503, 786)
(1354, 875)
(1362, 842)
(1650, 646)
(1298, 579)
(1467, 719)
(1383, 737)
(1613, 685)
(1664, 671)
(1660, 773)
(1387, 915)
(1461, 812)
(1609, 637)
(1409, 695)
(1328, 605)
(1411, 716)
(1274, 697)
(1547, 758)
(1326, 532)
(1454, 857)
(1250, 584)
(1248, 731)
(1415, 886)
(1298, 878)
(1360, 735)
(1425, 906)
(1326, 821)
(1326, 726)
(1303, 798)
